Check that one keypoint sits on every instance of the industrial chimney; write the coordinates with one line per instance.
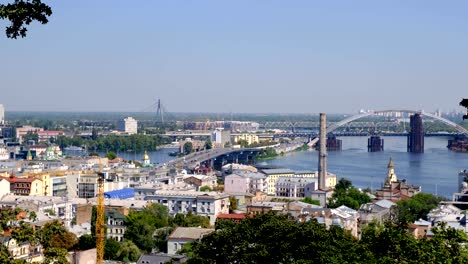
(322, 166)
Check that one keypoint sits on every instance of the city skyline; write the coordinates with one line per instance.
(243, 57)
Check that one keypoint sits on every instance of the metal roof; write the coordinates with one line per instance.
(278, 171)
(126, 193)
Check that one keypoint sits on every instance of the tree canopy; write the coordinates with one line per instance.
(191, 220)
(272, 238)
(21, 13)
(416, 207)
(142, 225)
(346, 194)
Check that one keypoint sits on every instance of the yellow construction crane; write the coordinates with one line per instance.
(100, 218)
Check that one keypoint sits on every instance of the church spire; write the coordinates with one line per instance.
(390, 164)
(391, 176)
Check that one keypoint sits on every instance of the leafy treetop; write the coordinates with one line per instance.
(21, 13)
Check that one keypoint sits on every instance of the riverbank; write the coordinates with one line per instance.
(436, 170)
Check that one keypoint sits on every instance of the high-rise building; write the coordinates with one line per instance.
(2, 114)
(128, 125)
(220, 137)
(416, 134)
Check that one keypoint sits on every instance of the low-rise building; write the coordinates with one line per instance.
(249, 138)
(59, 207)
(26, 186)
(451, 215)
(59, 186)
(274, 174)
(4, 186)
(88, 184)
(420, 228)
(115, 225)
(379, 211)
(245, 182)
(184, 235)
(208, 204)
(22, 251)
(342, 216)
(22, 131)
(47, 135)
(201, 180)
(293, 186)
(4, 153)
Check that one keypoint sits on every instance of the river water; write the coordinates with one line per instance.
(436, 170)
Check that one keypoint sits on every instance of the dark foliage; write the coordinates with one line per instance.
(21, 13)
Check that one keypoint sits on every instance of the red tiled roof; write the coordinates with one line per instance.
(231, 216)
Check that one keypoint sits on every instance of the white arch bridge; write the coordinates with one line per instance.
(345, 121)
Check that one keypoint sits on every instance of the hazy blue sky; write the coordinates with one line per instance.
(240, 56)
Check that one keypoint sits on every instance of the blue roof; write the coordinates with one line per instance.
(120, 194)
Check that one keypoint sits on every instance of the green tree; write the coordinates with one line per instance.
(67, 240)
(205, 189)
(343, 185)
(31, 136)
(243, 143)
(56, 256)
(21, 13)
(128, 252)
(188, 148)
(142, 225)
(416, 207)
(111, 247)
(191, 220)
(232, 203)
(86, 242)
(24, 233)
(208, 144)
(310, 201)
(346, 194)
(32, 216)
(55, 235)
(111, 155)
(273, 238)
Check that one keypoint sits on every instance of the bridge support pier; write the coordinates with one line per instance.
(375, 144)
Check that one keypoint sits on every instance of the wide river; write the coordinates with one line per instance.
(436, 170)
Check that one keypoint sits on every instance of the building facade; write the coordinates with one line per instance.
(128, 125)
(245, 182)
(22, 131)
(249, 138)
(59, 186)
(220, 138)
(115, 225)
(273, 175)
(184, 235)
(293, 187)
(208, 204)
